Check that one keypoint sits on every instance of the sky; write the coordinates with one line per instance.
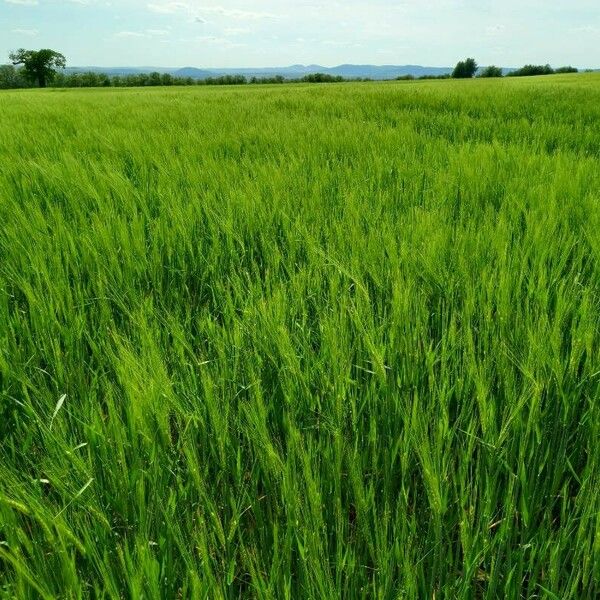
(261, 33)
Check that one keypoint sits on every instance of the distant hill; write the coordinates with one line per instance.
(377, 72)
(291, 72)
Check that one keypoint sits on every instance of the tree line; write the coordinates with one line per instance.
(467, 69)
(11, 78)
(42, 68)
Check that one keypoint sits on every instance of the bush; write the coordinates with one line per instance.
(568, 69)
(321, 78)
(267, 80)
(532, 70)
(444, 76)
(224, 80)
(491, 71)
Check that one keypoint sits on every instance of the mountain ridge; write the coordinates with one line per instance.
(297, 71)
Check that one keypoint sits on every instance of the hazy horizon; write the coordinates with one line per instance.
(265, 66)
(267, 33)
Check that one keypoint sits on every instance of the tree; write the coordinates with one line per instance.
(465, 69)
(166, 79)
(153, 79)
(568, 69)
(39, 66)
(491, 71)
(10, 78)
(322, 78)
(531, 70)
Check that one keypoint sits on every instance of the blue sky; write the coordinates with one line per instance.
(246, 33)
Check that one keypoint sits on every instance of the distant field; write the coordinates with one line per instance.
(301, 342)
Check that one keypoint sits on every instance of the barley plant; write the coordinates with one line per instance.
(301, 342)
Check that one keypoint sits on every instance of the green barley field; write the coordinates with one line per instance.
(301, 342)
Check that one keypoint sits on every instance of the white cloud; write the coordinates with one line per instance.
(147, 33)
(494, 29)
(29, 32)
(234, 13)
(171, 7)
(130, 34)
(586, 29)
(233, 31)
(24, 2)
(219, 41)
(340, 43)
(168, 8)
